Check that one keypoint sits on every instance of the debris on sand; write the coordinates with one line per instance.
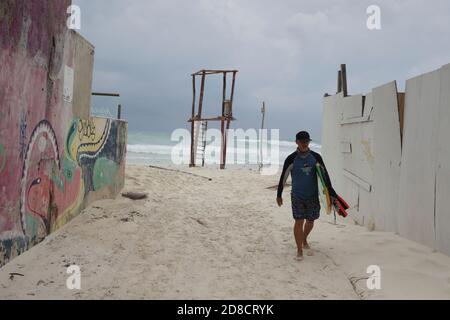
(135, 195)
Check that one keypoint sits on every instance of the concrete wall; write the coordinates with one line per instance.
(393, 184)
(54, 158)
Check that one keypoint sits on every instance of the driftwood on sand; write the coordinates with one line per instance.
(275, 187)
(133, 195)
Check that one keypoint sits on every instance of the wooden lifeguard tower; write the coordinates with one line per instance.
(201, 124)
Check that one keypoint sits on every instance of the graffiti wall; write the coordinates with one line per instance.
(54, 158)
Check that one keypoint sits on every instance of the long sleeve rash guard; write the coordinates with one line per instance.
(293, 165)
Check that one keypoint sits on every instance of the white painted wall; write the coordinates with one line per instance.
(417, 179)
(390, 187)
(443, 165)
(387, 152)
(331, 148)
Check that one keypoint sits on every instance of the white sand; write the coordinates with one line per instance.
(220, 239)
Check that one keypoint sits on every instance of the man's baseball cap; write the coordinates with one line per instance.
(303, 135)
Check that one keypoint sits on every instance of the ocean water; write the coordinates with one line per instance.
(155, 148)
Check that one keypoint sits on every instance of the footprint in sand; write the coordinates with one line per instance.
(309, 253)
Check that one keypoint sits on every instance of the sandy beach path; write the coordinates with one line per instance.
(193, 238)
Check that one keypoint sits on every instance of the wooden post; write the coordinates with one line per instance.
(224, 92)
(344, 79)
(231, 100)
(119, 112)
(224, 134)
(339, 82)
(202, 93)
(222, 123)
(204, 142)
(232, 88)
(192, 164)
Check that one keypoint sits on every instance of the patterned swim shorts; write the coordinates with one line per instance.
(305, 209)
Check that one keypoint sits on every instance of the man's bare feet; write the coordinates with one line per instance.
(307, 247)
(299, 256)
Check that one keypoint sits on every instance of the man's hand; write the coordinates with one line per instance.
(280, 201)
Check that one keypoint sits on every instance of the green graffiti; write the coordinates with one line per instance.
(122, 136)
(57, 181)
(105, 173)
(69, 160)
(70, 136)
(55, 177)
(32, 225)
(2, 158)
(68, 168)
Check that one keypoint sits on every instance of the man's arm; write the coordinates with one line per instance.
(327, 177)
(287, 168)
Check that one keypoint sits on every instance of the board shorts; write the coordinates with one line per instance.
(305, 209)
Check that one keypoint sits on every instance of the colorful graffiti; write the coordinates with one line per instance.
(52, 164)
(85, 140)
(86, 129)
(22, 134)
(52, 187)
(56, 179)
(2, 158)
(37, 197)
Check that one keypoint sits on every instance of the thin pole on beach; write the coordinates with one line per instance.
(119, 111)
(263, 111)
(192, 164)
(222, 123)
(334, 211)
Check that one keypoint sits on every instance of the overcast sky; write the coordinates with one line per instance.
(288, 53)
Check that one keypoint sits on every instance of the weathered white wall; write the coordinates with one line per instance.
(425, 173)
(363, 151)
(443, 166)
(357, 133)
(387, 153)
(417, 180)
(391, 187)
(332, 117)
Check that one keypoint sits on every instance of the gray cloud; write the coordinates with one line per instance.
(287, 52)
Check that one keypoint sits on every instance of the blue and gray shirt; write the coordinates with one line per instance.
(302, 167)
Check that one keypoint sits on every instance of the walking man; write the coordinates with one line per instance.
(305, 192)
